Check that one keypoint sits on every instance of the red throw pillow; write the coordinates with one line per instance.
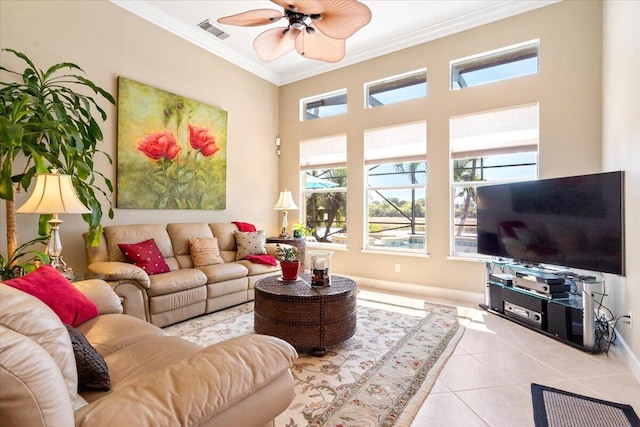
(51, 287)
(145, 255)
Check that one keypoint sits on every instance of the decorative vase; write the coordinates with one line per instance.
(290, 269)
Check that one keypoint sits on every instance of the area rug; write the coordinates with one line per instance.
(555, 408)
(379, 377)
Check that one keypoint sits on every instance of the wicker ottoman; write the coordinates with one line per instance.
(308, 318)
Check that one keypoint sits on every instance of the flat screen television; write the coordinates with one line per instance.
(575, 221)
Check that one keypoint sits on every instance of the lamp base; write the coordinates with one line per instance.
(58, 263)
(284, 234)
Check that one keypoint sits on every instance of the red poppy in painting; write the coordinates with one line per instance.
(202, 141)
(159, 145)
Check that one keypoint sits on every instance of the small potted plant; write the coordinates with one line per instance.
(288, 262)
(301, 231)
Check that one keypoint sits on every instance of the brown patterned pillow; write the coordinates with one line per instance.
(93, 373)
(250, 243)
(205, 251)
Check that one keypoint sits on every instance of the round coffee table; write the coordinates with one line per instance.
(308, 318)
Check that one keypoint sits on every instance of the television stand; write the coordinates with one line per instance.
(554, 305)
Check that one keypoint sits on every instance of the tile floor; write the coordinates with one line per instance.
(486, 381)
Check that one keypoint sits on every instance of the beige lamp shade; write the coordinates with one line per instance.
(53, 194)
(285, 202)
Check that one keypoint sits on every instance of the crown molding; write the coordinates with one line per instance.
(199, 38)
(196, 36)
(462, 23)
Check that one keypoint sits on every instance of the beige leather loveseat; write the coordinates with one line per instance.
(155, 379)
(185, 291)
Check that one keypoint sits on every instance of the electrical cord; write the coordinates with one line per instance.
(613, 338)
(601, 303)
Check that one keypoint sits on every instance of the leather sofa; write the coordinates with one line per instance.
(184, 292)
(155, 379)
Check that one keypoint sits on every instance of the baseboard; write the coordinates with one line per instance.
(416, 289)
(622, 350)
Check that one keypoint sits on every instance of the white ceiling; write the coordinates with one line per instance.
(395, 24)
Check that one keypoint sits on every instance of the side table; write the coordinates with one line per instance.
(299, 244)
(308, 318)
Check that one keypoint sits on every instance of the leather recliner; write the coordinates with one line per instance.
(156, 379)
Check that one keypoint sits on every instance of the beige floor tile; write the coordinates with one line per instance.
(518, 367)
(439, 387)
(500, 406)
(525, 339)
(465, 372)
(491, 321)
(446, 410)
(482, 341)
(566, 384)
(574, 363)
(621, 388)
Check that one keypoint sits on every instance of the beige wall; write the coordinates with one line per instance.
(107, 42)
(568, 89)
(621, 147)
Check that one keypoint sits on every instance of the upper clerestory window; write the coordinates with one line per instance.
(501, 64)
(325, 105)
(390, 90)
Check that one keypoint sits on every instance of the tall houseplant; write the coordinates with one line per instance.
(45, 123)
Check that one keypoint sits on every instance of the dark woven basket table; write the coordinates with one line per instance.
(309, 318)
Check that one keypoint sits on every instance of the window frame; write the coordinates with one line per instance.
(486, 60)
(491, 153)
(396, 82)
(398, 157)
(304, 102)
(331, 163)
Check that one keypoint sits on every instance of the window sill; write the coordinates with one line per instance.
(395, 253)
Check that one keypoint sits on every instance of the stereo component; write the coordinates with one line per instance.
(524, 314)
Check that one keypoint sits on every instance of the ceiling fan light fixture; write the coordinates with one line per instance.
(317, 28)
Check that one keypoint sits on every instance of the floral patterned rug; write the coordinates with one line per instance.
(379, 377)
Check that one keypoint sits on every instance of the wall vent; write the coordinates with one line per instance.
(210, 28)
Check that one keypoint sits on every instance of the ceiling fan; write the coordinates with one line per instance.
(317, 29)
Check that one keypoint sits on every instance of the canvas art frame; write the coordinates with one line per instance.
(172, 150)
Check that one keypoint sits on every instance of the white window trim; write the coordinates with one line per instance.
(391, 79)
(305, 101)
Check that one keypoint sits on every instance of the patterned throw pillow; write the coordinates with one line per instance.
(250, 243)
(93, 373)
(145, 255)
(51, 287)
(205, 251)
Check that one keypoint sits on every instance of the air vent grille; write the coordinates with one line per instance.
(210, 28)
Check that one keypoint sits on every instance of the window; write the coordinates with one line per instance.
(323, 164)
(513, 61)
(396, 89)
(488, 147)
(325, 105)
(396, 178)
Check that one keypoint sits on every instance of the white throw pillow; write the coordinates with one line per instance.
(250, 243)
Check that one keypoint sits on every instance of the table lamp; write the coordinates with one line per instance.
(54, 194)
(285, 203)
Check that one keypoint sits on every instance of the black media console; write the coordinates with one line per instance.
(552, 304)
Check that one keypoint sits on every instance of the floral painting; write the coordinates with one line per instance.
(172, 151)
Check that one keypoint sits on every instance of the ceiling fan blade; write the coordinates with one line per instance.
(303, 6)
(252, 18)
(342, 18)
(319, 46)
(272, 44)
